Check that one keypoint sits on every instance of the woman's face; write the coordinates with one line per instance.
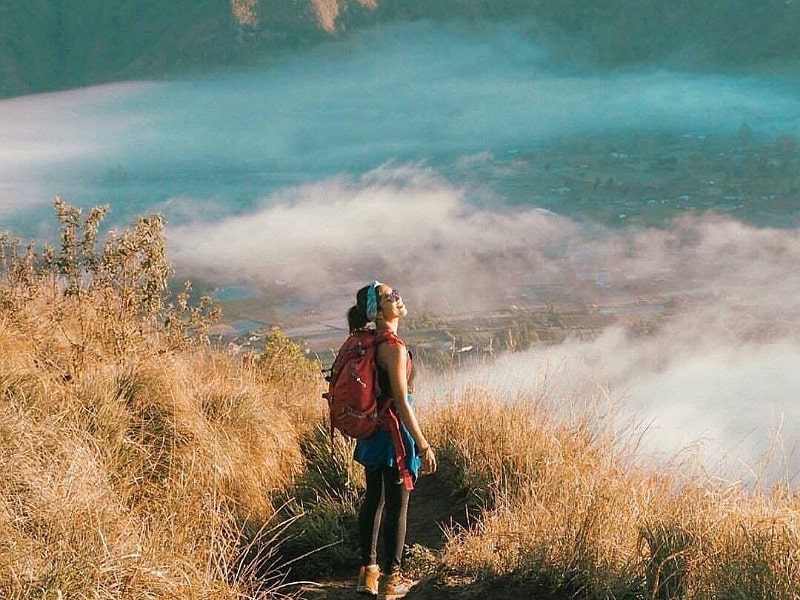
(390, 303)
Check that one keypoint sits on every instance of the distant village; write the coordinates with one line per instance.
(642, 181)
(649, 178)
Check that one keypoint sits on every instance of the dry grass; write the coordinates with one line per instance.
(569, 511)
(136, 477)
(139, 462)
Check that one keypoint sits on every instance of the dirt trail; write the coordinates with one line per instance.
(433, 508)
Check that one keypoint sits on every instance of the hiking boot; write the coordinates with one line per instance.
(368, 580)
(396, 586)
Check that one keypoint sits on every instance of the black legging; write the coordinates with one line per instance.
(383, 488)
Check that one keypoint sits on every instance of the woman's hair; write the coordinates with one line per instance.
(364, 311)
(356, 319)
(367, 301)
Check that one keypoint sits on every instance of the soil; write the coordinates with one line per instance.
(435, 509)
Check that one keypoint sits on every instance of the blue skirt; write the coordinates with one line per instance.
(377, 450)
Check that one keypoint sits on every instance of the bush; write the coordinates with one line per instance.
(84, 302)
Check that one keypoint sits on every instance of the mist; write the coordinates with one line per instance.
(716, 380)
(724, 409)
(385, 154)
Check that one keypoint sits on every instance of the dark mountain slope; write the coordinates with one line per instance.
(58, 44)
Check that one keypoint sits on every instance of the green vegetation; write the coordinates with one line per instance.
(140, 461)
(48, 44)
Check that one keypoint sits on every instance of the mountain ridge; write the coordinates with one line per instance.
(48, 45)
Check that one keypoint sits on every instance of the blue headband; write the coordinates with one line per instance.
(372, 301)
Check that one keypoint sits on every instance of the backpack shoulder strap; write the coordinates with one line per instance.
(389, 416)
(388, 336)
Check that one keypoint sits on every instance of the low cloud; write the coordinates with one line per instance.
(43, 133)
(406, 222)
(406, 92)
(402, 223)
(728, 406)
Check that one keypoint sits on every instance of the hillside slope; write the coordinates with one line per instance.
(58, 44)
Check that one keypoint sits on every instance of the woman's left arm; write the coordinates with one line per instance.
(394, 357)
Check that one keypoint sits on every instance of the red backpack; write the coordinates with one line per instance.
(353, 387)
(353, 393)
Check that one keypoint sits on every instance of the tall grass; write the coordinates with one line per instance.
(569, 511)
(140, 462)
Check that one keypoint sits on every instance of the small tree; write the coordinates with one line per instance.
(105, 298)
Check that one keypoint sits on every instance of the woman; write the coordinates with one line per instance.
(379, 304)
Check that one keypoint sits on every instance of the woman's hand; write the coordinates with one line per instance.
(428, 461)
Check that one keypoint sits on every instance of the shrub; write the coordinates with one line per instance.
(81, 302)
